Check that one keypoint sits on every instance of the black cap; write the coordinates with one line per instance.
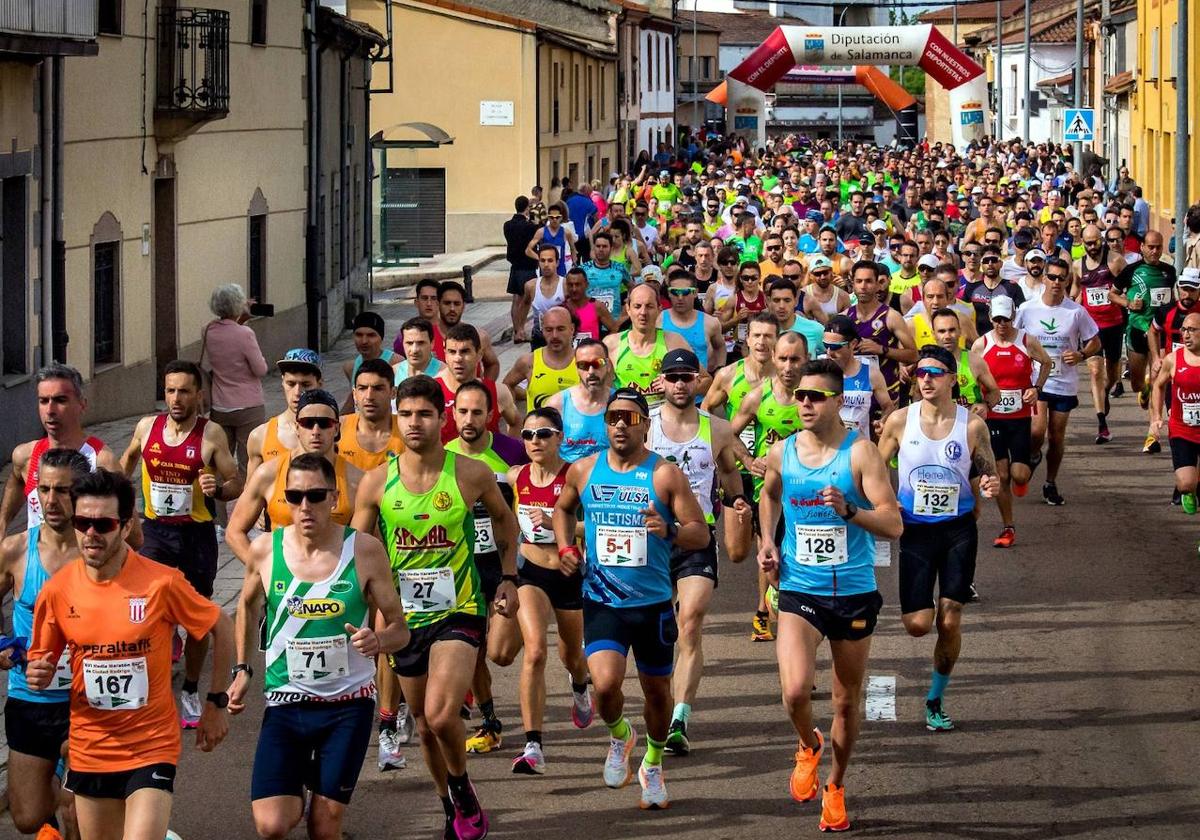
(317, 396)
(370, 320)
(680, 360)
(939, 354)
(631, 395)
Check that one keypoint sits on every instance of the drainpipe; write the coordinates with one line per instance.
(312, 283)
(58, 274)
(46, 199)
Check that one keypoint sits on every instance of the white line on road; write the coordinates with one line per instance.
(881, 698)
(883, 553)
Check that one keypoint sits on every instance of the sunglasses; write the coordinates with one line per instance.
(99, 524)
(814, 395)
(314, 496)
(821, 272)
(624, 415)
(554, 217)
(924, 268)
(316, 422)
(1057, 278)
(681, 291)
(675, 378)
(595, 364)
(541, 434)
(833, 346)
(1115, 240)
(727, 262)
(795, 276)
(931, 372)
(987, 260)
(748, 277)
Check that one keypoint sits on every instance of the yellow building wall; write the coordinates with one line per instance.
(1153, 113)
(446, 63)
(592, 152)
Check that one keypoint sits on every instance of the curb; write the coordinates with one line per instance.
(410, 276)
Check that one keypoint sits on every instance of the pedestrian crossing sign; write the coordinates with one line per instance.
(1079, 125)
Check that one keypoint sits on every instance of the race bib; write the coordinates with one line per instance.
(743, 330)
(427, 590)
(935, 498)
(620, 546)
(317, 660)
(1010, 402)
(746, 436)
(821, 545)
(171, 499)
(1097, 295)
(62, 672)
(485, 536)
(114, 685)
(1056, 363)
(531, 532)
(1160, 297)
(606, 296)
(1190, 413)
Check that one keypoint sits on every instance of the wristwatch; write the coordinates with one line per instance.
(510, 578)
(218, 698)
(241, 666)
(851, 511)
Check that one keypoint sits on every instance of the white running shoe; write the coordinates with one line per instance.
(654, 788)
(190, 709)
(616, 767)
(389, 752)
(582, 710)
(405, 725)
(531, 762)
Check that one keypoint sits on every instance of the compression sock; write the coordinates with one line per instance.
(763, 614)
(534, 735)
(578, 688)
(937, 686)
(460, 792)
(487, 708)
(387, 720)
(1102, 420)
(619, 729)
(654, 752)
(682, 712)
(191, 686)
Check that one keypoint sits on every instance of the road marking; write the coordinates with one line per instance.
(881, 698)
(883, 553)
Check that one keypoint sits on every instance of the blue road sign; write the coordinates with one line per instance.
(1079, 125)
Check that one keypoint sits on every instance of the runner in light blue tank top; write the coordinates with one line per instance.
(403, 371)
(583, 434)
(31, 586)
(387, 355)
(693, 335)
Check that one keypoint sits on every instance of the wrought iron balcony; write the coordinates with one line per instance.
(193, 64)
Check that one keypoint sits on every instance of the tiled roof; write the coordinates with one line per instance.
(743, 27)
(1059, 30)
(985, 10)
(1121, 83)
(1055, 81)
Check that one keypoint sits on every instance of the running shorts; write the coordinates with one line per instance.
(1058, 402)
(121, 784)
(941, 551)
(413, 660)
(36, 729)
(518, 277)
(319, 746)
(1184, 453)
(650, 631)
(836, 617)
(1112, 341)
(190, 547)
(700, 562)
(1011, 439)
(564, 591)
(1138, 342)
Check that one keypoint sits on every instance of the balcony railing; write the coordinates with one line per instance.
(193, 63)
(49, 18)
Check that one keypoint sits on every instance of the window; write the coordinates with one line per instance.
(108, 17)
(706, 65)
(605, 166)
(603, 92)
(1152, 64)
(258, 22)
(554, 85)
(590, 97)
(666, 62)
(257, 247)
(1012, 86)
(574, 93)
(106, 303)
(1173, 53)
(14, 309)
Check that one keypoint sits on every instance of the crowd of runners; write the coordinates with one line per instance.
(781, 357)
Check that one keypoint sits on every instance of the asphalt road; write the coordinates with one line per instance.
(1076, 700)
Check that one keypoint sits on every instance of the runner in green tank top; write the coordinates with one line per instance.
(637, 353)
(318, 580)
(774, 413)
(421, 502)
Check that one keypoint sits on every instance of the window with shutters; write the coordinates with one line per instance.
(106, 303)
(14, 308)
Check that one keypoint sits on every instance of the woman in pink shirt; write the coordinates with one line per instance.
(231, 355)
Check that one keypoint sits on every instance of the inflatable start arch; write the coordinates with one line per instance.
(822, 46)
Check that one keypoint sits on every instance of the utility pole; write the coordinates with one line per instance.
(841, 19)
(1079, 79)
(695, 75)
(956, 23)
(1028, 83)
(999, 75)
(1182, 132)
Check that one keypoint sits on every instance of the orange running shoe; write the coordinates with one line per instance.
(1007, 537)
(48, 832)
(804, 783)
(1020, 490)
(833, 809)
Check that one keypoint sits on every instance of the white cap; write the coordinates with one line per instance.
(977, 191)
(776, 190)
(878, 224)
(1189, 278)
(1001, 307)
(929, 261)
(1035, 254)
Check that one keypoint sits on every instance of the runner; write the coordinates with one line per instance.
(606, 280)
(416, 339)
(452, 306)
(1068, 335)
(980, 292)
(887, 340)
(861, 382)
(545, 591)
(371, 435)
(421, 501)
(367, 331)
(635, 508)
(61, 405)
(783, 301)
(773, 411)
(747, 302)
(548, 368)
(594, 317)
(941, 446)
(187, 469)
(706, 450)
(822, 299)
(1010, 355)
(721, 296)
(1164, 335)
(124, 740)
(554, 233)
(977, 389)
(472, 405)
(317, 580)
(582, 406)
(425, 299)
(1094, 275)
(637, 353)
(1181, 369)
(35, 722)
(463, 346)
(299, 371)
(543, 292)
(701, 331)
(841, 499)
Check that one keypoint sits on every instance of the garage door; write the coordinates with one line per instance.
(414, 212)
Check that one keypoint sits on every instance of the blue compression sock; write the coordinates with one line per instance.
(937, 686)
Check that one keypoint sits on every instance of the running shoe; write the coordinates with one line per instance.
(176, 646)
(405, 725)
(1117, 390)
(804, 783)
(1103, 436)
(48, 832)
(974, 597)
(1020, 490)
(760, 629)
(486, 739)
(190, 709)
(1051, 495)
(583, 710)
(654, 788)
(833, 809)
(470, 820)
(1007, 537)
(1188, 502)
(1151, 446)
(389, 752)
(1176, 498)
(616, 766)
(936, 719)
(531, 762)
(677, 739)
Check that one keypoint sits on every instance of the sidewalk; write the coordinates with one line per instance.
(441, 267)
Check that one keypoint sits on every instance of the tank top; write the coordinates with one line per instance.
(741, 304)
(350, 449)
(309, 657)
(387, 355)
(583, 434)
(739, 386)
(968, 388)
(272, 446)
(935, 475)
(876, 329)
(627, 566)
(171, 476)
(33, 506)
(486, 551)
(450, 426)
(725, 296)
(823, 554)
(404, 369)
(543, 304)
(1012, 368)
(279, 513)
(531, 498)
(604, 283)
(545, 381)
(1184, 419)
(694, 457)
(1096, 283)
(589, 322)
(22, 610)
(693, 335)
(856, 400)
(773, 422)
(559, 241)
(426, 539)
(639, 372)
(1172, 338)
